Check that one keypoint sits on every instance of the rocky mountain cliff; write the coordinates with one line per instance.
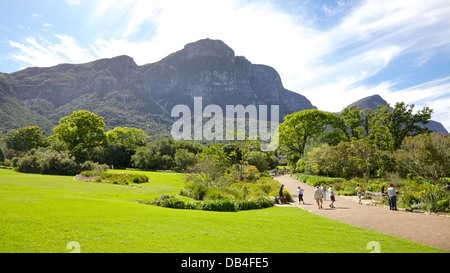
(210, 69)
(126, 94)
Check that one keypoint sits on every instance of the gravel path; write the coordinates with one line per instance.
(427, 229)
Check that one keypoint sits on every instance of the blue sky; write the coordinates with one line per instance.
(333, 52)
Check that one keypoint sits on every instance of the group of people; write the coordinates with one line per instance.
(320, 194)
(282, 171)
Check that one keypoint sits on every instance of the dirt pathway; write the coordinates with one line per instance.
(418, 227)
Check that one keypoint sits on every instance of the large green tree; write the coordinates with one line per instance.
(24, 139)
(402, 122)
(353, 122)
(81, 130)
(131, 138)
(300, 128)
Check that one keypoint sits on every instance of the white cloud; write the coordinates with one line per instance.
(44, 53)
(73, 2)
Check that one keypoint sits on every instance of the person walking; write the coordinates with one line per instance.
(392, 195)
(324, 192)
(332, 195)
(318, 196)
(280, 193)
(300, 195)
(359, 193)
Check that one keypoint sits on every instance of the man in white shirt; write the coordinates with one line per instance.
(332, 195)
(392, 195)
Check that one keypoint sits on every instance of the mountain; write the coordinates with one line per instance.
(373, 101)
(210, 69)
(126, 94)
(13, 114)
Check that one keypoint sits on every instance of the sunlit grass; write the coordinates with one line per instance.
(44, 213)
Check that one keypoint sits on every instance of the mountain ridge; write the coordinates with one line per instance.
(127, 94)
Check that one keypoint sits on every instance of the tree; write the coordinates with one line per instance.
(426, 155)
(24, 139)
(366, 155)
(259, 159)
(375, 128)
(353, 120)
(209, 171)
(130, 138)
(113, 153)
(183, 159)
(2, 156)
(401, 122)
(82, 129)
(147, 157)
(301, 127)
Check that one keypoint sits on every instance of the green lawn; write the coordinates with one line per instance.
(42, 214)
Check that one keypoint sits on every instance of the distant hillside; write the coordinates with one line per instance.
(373, 101)
(13, 114)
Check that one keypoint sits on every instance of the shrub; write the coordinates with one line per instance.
(90, 174)
(93, 166)
(93, 169)
(259, 159)
(28, 164)
(348, 191)
(47, 162)
(14, 162)
(250, 173)
(196, 191)
(430, 199)
(120, 178)
(226, 205)
(442, 205)
(173, 203)
(409, 199)
(260, 203)
(219, 205)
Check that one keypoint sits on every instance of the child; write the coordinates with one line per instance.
(359, 193)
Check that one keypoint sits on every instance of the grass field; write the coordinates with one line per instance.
(42, 214)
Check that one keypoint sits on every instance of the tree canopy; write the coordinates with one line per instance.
(82, 129)
(301, 127)
(24, 139)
